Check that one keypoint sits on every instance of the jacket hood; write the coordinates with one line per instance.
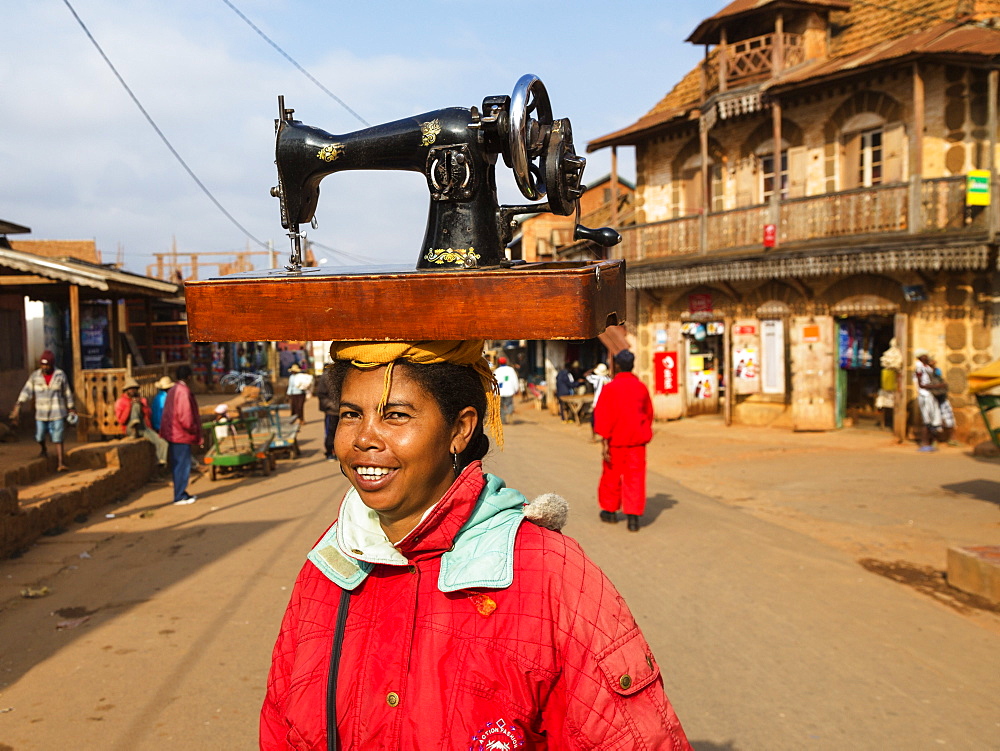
(481, 553)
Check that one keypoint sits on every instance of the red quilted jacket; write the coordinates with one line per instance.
(553, 661)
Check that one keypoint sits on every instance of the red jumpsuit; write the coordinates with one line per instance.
(624, 418)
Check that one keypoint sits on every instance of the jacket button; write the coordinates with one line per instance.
(412, 569)
(357, 552)
(625, 681)
(392, 699)
(649, 661)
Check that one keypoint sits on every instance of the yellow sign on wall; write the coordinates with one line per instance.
(977, 188)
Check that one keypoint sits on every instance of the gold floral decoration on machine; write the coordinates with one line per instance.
(429, 132)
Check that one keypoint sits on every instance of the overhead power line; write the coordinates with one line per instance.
(292, 60)
(159, 132)
(345, 254)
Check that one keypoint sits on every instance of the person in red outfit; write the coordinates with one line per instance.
(180, 427)
(442, 610)
(624, 419)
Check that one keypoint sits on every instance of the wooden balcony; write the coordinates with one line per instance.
(837, 218)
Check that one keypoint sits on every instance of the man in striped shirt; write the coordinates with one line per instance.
(49, 388)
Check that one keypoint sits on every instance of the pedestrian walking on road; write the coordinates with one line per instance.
(597, 378)
(328, 407)
(54, 407)
(624, 419)
(180, 427)
(414, 617)
(510, 386)
(299, 385)
(932, 399)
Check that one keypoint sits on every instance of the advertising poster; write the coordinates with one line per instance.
(746, 370)
(665, 367)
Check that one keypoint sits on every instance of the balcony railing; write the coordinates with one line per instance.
(883, 210)
(850, 212)
(672, 237)
(737, 228)
(754, 58)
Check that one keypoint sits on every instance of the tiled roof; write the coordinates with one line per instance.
(950, 37)
(81, 250)
(707, 31)
(868, 33)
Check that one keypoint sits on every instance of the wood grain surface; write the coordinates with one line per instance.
(569, 300)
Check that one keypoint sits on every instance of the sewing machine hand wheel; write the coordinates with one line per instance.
(527, 135)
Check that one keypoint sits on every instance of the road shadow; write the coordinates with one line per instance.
(712, 746)
(980, 490)
(655, 506)
(34, 630)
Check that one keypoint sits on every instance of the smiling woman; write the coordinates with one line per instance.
(429, 615)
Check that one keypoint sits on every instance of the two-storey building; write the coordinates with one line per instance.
(810, 206)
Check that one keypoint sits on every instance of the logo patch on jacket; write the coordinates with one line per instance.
(498, 736)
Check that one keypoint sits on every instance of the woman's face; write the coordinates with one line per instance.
(400, 461)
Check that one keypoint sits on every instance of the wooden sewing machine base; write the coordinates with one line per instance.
(559, 300)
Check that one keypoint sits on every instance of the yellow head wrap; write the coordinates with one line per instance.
(369, 355)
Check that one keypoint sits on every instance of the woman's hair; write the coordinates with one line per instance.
(453, 388)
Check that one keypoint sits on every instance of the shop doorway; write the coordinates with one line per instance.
(861, 342)
(706, 366)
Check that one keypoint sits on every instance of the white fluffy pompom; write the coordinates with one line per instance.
(548, 510)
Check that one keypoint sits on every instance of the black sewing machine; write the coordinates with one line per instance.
(456, 150)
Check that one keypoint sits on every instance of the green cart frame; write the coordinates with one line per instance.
(987, 403)
(285, 441)
(242, 448)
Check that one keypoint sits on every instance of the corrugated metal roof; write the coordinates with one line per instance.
(85, 274)
(9, 228)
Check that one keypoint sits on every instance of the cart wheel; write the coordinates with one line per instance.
(273, 461)
(296, 452)
(266, 465)
(213, 473)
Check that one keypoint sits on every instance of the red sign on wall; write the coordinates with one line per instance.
(700, 303)
(746, 329)
(770, 235)
(665, 372)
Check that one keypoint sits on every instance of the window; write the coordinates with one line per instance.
(870, 158)
(768, 178)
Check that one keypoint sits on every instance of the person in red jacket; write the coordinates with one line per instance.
(441, 610)
(180, 427)
(624, 419)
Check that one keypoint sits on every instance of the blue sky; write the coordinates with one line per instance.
(80, 162)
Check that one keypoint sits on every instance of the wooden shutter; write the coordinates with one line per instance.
(744, 183)
(693, 192)
(797, 168)
(850, 166)
(893, 153)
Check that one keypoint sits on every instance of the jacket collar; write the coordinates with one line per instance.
(472, 528)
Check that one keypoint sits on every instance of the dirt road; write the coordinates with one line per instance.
(158, 629)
